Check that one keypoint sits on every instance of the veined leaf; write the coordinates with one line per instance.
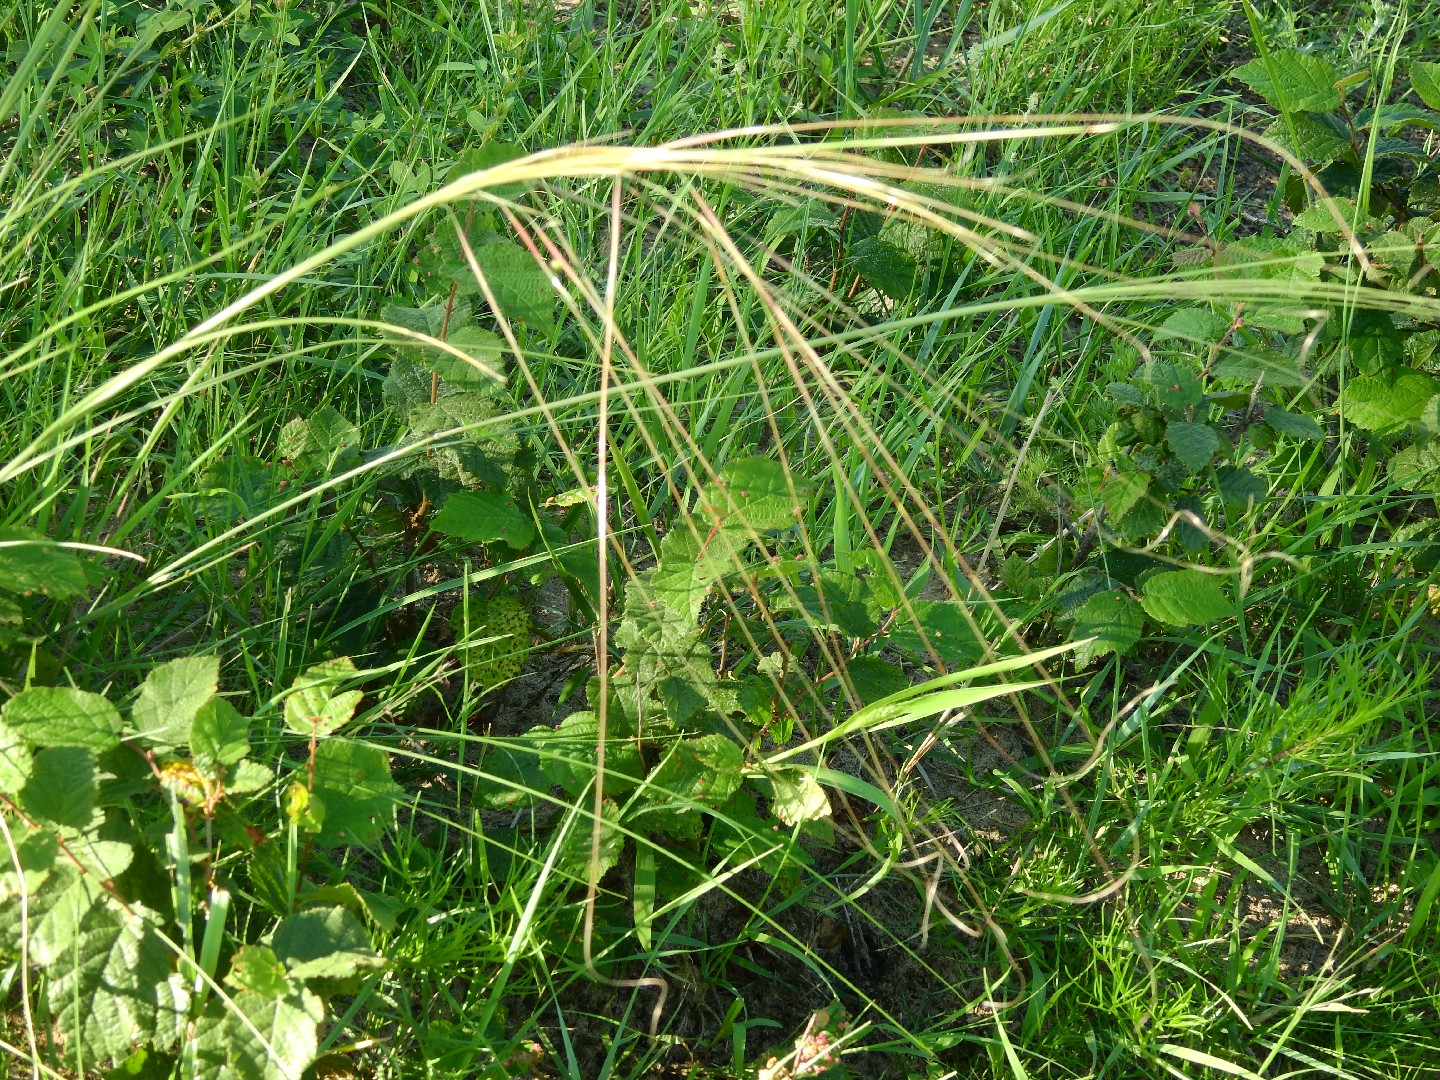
(171, 696)
(63, 716)
(1185, 598)
(1293, 81)
(314, 707)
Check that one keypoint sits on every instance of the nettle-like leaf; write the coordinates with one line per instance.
(1386, 403)
(256, 969)
(567, 756)
(62, 716)
(485, 517)
(260, 1036)
(62, 787)
(796, 796)
(754, 495)
(935, 629)
(691, 565)
(1240, 489)
(322, 442)
(170, 697)
(1185, 598)
(314, 706)
(1318, 139)
(1176, 386)
(16, 760)
(833, 601)
(1425, 80)
(885, 267)
(701, 770)
(575, 852)
(1121, 490)
(360, 798)
(872, 678)
(219, 735)
(460, 332)
(1113, 619)
(29, 563)
(493, 638)
(1293, 81)
(1193, 444)
(1296, 425)
(328, 943)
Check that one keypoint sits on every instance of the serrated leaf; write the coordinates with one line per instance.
(29, 563)
(1194, 326)
(315, 706)
(754, 495)
(487, 156)
(255, 1037)
(935, 630)
(796, 796)
(704, 770)
(1121, 490)
(321, 442)
(1113, 619)
(871, 678)
(1177, 387)
(1316, 139)
(832, 602)
(62, 716)
(568, 756)
(1375, 345)
(1185, 598)
(1293, 81)
(1240, 488)
(219, 735)
(886, 268)
(112, 990)
(522, 287)
(360, 798)
(511, 776)
(248, 776)
(484, 517)
(327, 943)
(1296, 425)
(170, 697)
(1251, 367)
(1385, 403)
(690, 567)
(16, 761)
(574, 855)
(1326, 219)
(1425, 81)
(1193, 444)
(256, 969)
(62, 786)
(1415, 467)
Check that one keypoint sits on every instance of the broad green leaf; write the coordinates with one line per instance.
(704, 770)
(690, 566)
(831, 603)
(796, 796)
(872, 678)
(259, 1037)
(62, 786)
(61, 716)
(522, 287)
(1293, 81)
(1113, 619)
(1375, 345)
(360, 798)
(16, 761)
(1385, 403)
(460, 333)
(492, 638)
(247, 776)
(1194, 326)
(1185, 598)
(1425, 80)
(258, 971)
(324, 943)
(1121, 490)
(1316, 139)
(322, 442)
(754, 495)
(29, 563)
(568, 757)
(511, 776)
(1177, 387)
(485, 517)
(574, 855)
(885, 267)
(1414, 467)
(487, 156)
(219, 735)
(1240, 488)
(1194, 444)
(1255, 365)
(112, 989)
(171, 696)
(1296, 425)
(314, 706)
(933, 630)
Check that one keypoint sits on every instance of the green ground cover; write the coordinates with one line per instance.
(786, 538)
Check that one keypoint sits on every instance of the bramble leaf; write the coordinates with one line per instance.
(1293, 81)
(754, 494)
(1425, 80)
(484, 517)
(1194, 444)
(63, 716)
(1121, 490)
(325, 943)
(29, 563)
(1185, 598)
(314, 707)
(170, 697)
(796, 796)
(1296, 425)
(219, 735)
(1113, 619)
(1385, 403)
(360, 798)
(62, 786)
